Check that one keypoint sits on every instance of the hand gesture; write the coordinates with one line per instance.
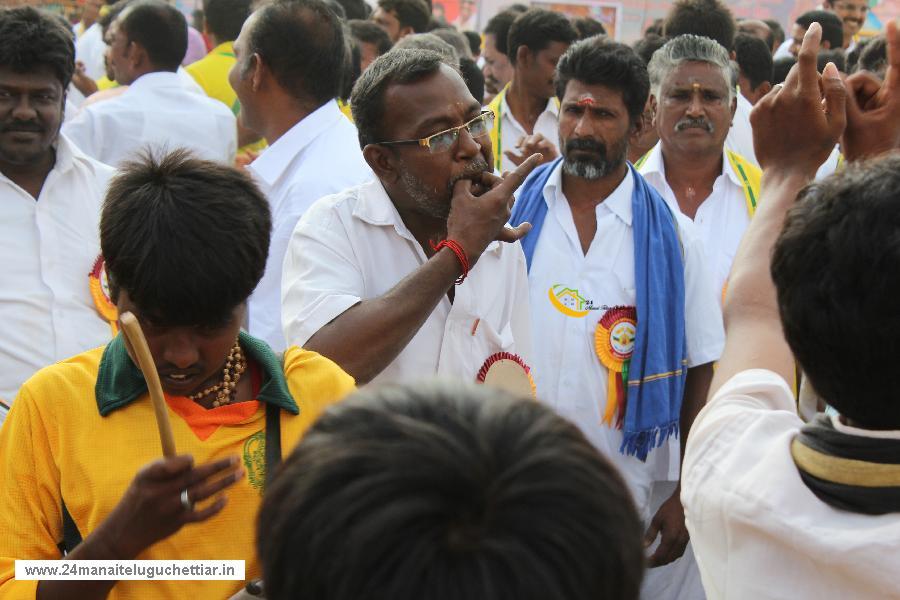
(152, 508)
(873, 107)
(81, 81)
(532, 144)
(669, 523)
(476, 221)
(796, 125)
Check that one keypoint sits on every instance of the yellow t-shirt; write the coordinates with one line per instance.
(56, 444)
(211, 74)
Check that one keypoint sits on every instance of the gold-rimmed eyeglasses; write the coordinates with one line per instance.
(442, 141)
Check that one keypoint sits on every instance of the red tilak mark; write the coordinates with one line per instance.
(586, 102)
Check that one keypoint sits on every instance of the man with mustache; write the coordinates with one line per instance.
(853, 14)
(51, 194)
(690, 167)
(624, 314)
(497, 69)
(413, 274)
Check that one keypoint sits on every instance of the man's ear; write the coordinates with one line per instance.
(382, 162)
(523, 56)
(405, 31)
(651, 105)
(257, 71)
(733, 105)
(761, 90)
(825, 44)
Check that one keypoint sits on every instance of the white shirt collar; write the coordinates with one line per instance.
(655, 164)
(375, 207)
(551, 107)
(67, 154)
(157, 79)
(275, 160)
(618, 202)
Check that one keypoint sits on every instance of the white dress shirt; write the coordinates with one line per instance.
(511, 131)
(89, 49)
(157, 111)
(48, 247)
(721, 219)
(758, 531)
(354, 246)
(318, 156)
(568, 373)
(740, 137)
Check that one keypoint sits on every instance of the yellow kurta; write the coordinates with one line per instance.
(56, 445)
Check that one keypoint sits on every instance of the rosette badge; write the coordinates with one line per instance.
(507, 371)
(614, 344)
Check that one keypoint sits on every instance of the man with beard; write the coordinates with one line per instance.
(51, 194)
(690, 166)
(369, 273)
(624, 312)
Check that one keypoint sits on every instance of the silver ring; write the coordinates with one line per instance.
(186, 501)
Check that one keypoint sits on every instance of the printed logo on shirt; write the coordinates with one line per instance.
(255, 460)
(569, 302)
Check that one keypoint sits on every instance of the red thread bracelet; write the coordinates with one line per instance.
(460, 255)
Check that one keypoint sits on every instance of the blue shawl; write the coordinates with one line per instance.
(658, 366)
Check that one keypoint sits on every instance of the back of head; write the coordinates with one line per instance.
(455, 39)
(410, 13)
(31, 39)
(708, 18)
(187, 239)
(498, 26)
(835, 269)
(447, 492)
(873, 57)
(754, 59)
(474, 40)
(429, 41)
(397, 67)
(224, 18)
(370, 33)
(354, 9)
(599, 61)
(831, 56)
(302, 43)
(159, 28)
(588, 27)
(474, 78)
(688, 48)
(781, 67)
(832, 26)
(536, 29)
(777, 31)
(647, 45)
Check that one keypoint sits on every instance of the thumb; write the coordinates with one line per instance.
(511, 234)
(835, 99)
(652, 531)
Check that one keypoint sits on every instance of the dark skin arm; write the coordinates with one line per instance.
(367, 337)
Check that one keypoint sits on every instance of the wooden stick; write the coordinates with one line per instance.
(135, 336)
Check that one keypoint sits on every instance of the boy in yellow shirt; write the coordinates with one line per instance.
(185, 242)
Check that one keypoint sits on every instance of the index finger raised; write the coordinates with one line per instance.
(805, 76)
(512, 181)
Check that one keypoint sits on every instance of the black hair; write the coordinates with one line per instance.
(781, 67)
(754, 59)
(498, 26)
(224, 18)
(588, 27)
(473, 77)
(536, 29)
(159, 28)
(832, 26)
(447, 492)
(831, 56)
(647, 45)
(873, 56)
(707, 18)
(370, 33)
(409, 13)
(655, 28)
(302, 43)
(474, 39)
(186, 238)
(599, 61)
(459, 42)
(30, 39)
(397, 67)
(115, 9)
(354, 9)
(836, 269)
(777, 31)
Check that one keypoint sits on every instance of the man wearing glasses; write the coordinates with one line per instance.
(416, 273)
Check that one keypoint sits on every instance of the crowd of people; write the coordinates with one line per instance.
(657, 391)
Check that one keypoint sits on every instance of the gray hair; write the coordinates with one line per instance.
(429, 41)
(455, 39)
(689, 48)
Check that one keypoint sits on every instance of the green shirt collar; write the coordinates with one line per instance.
(120, 382)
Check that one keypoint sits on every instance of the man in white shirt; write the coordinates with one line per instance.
(313, 149)
(369, 275)
(588, 282)
(697, 176)
(50, 194)
(526, 111)
(157, 112)
(776, 508)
